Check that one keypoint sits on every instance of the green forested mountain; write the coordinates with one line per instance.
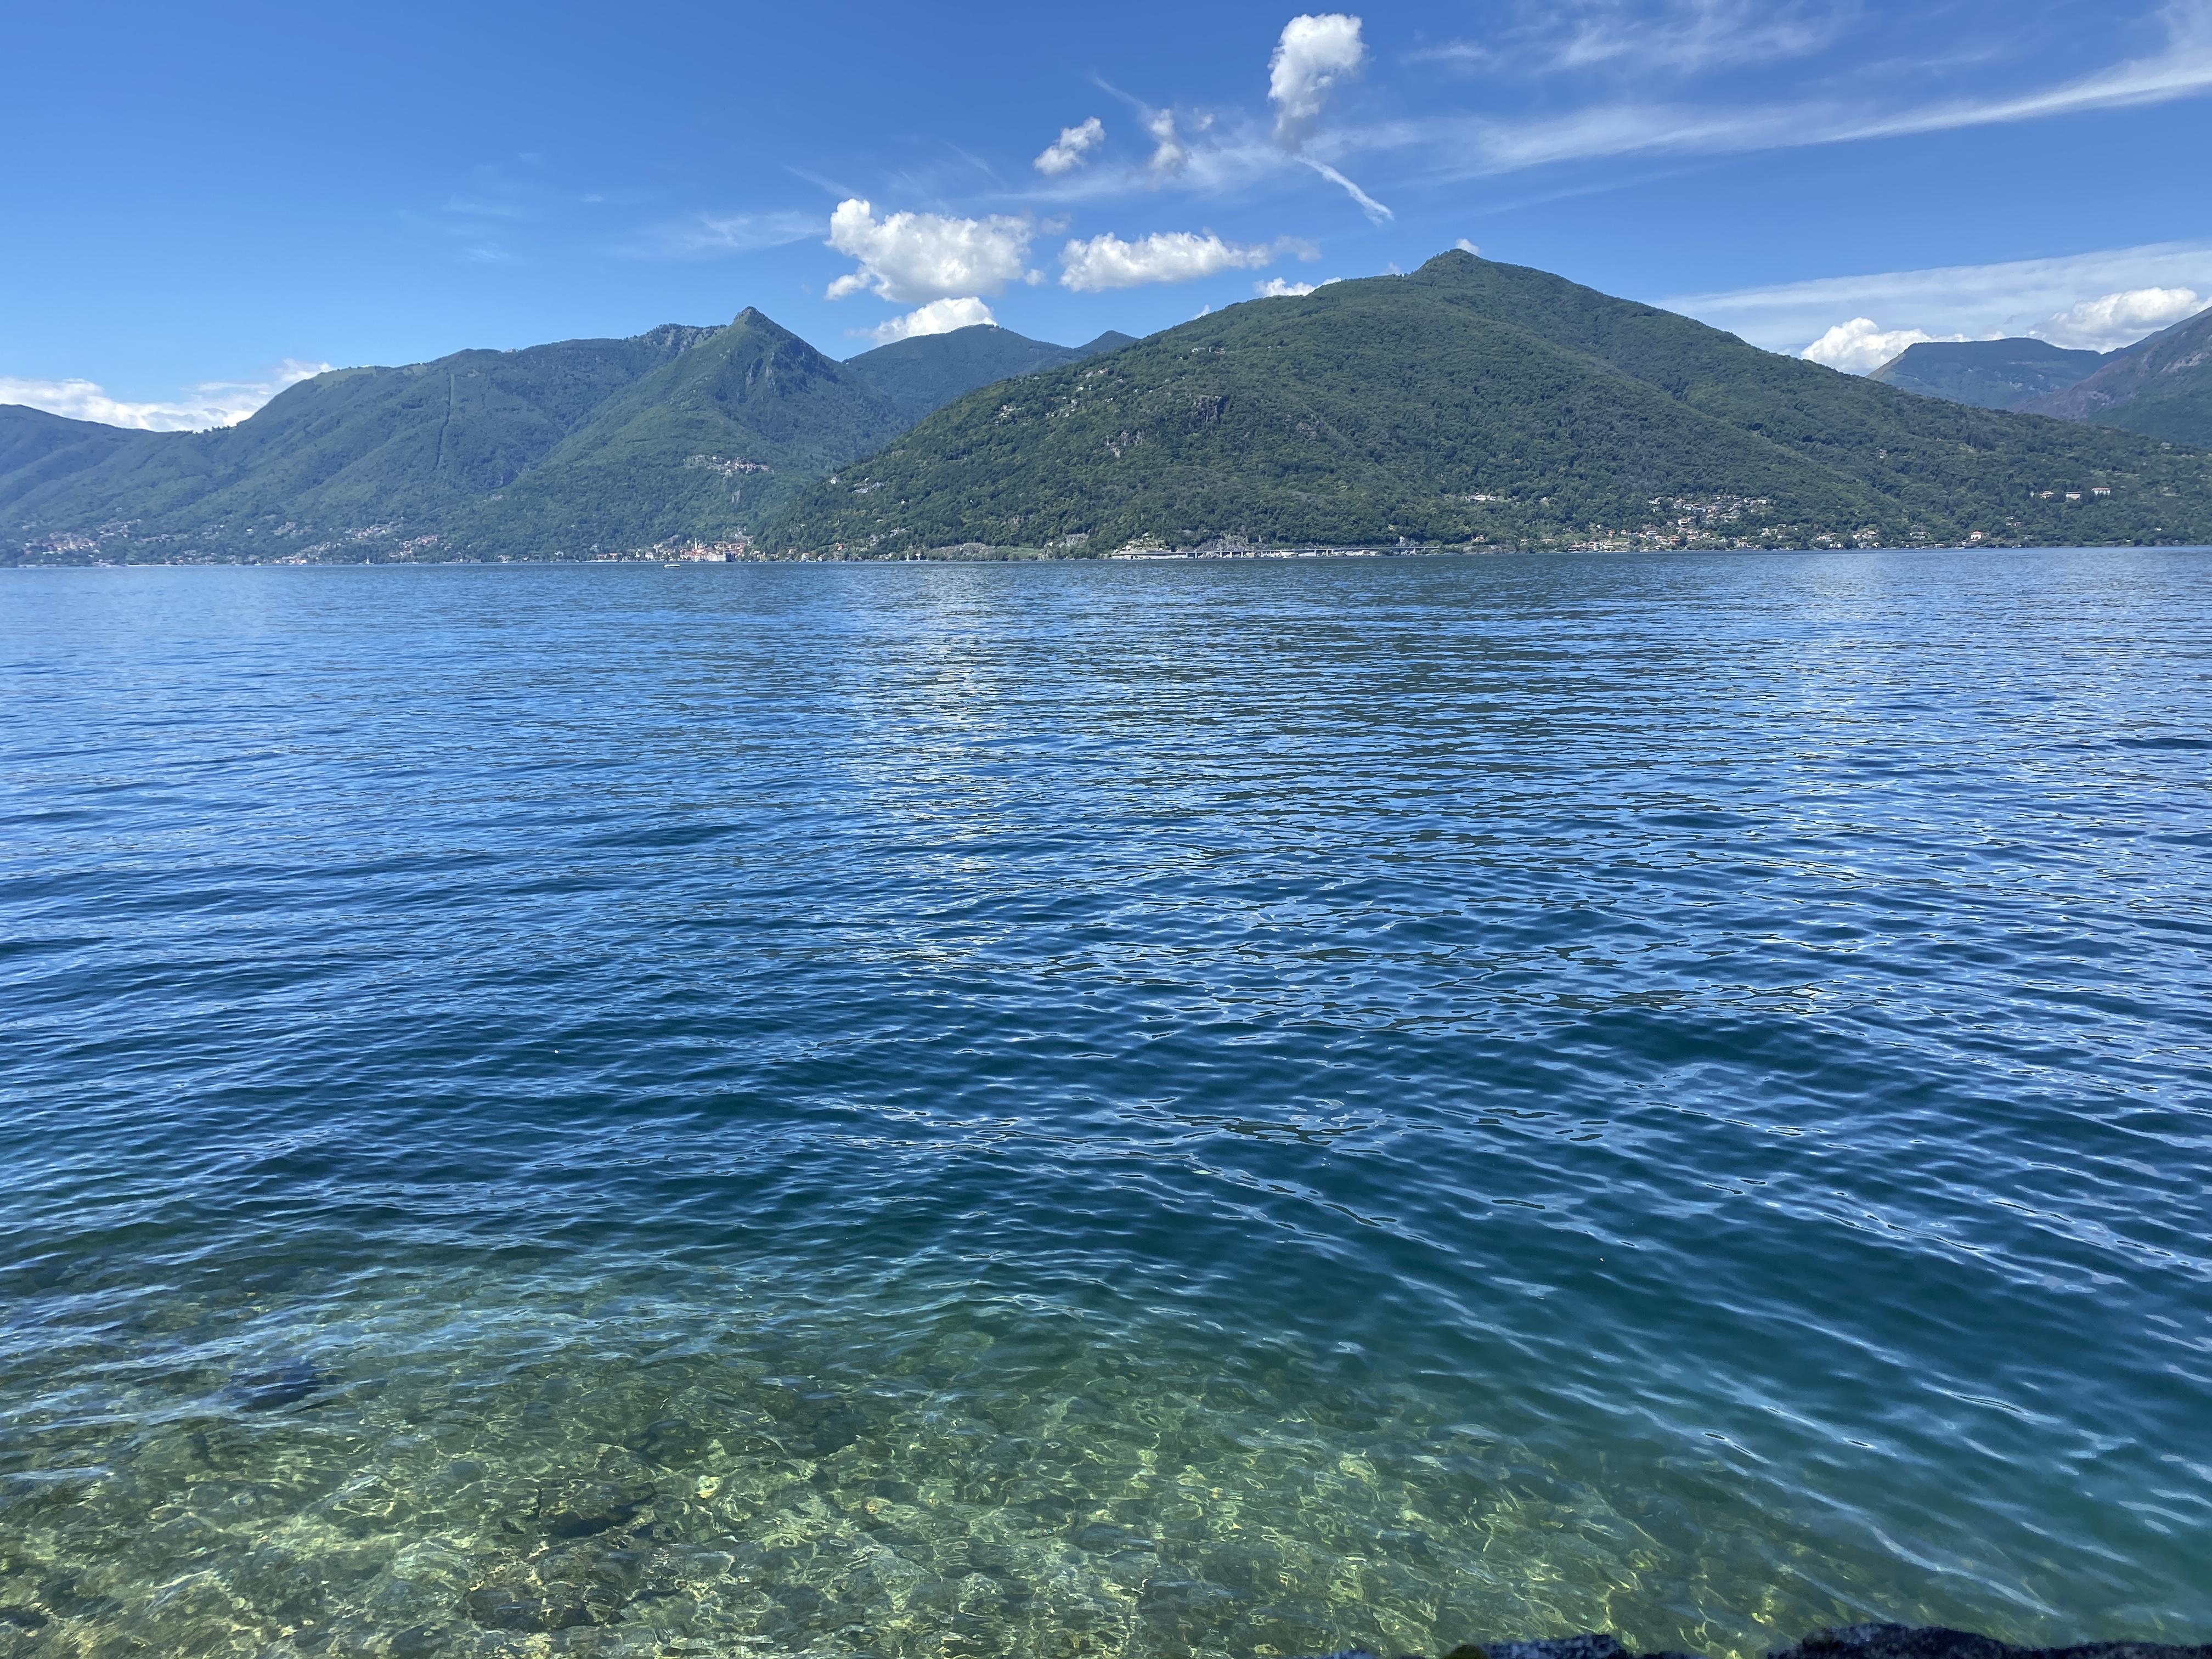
(707, 446)
(1474, 402)
(699, 448)
(917, 375)
(361, 455)
(679, 435)
(1470, 404)
(38, 450)
(2161, 387)
(1988, 374)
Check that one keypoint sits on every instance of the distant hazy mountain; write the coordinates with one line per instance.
(680, 434)
(1987, 374)
(1474, 403)
(919, 375)
(2160, 388)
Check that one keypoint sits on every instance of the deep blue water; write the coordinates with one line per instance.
(1064, 1109)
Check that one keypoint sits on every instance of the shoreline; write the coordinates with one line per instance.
(1866, 1641)
(1042, 555)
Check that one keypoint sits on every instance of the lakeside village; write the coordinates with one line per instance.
(1716, 524)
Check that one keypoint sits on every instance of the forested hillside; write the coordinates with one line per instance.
(1478, 404)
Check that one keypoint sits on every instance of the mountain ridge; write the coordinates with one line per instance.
(2008, 374)
(1522, 409)
(1468, 403)
(920, 376)
(2160, 388)
(699, 448)
(682, 433)
(38, 447)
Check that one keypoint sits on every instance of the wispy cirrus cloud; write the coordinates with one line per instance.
(195, 409)
(1222, 153)
(1467, 146)
(1376, 212)
(2102, 299)
(1683, 50)
(1678, 37)
(1662, 81)
(706, 236)
(488, 207)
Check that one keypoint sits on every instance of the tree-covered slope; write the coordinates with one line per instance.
(39, 450)
(681, 434)
(702, 449)
(2160, 388)
(1987, 374)
(2177, 411)
(1947, 466)
(387, 450)
(923, 375)
(1475, 402)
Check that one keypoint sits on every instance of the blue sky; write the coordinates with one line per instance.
(200, 199)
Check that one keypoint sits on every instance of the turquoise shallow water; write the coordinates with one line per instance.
(1070, 1110)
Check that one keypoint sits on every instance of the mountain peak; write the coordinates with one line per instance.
(1452, 262)
(1476, 403)
(925, 371)
(2160, 386)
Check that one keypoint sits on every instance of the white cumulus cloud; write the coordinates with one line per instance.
(1167, 256)
(197, 409)
(1066, 153)
(1281, 288)
(1313, 54)
(2112, 320)
(938, 317)
(1860, 347)
(914, 257)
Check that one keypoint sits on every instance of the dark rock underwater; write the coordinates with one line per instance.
(1850, 1642)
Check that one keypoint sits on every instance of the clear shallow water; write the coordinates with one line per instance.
(1074, 1110)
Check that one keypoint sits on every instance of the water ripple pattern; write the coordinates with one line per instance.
(1161, 1109)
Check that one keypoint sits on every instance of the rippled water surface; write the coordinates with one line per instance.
(1160, 1109)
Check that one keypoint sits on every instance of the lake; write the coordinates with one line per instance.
(1209, 1107)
